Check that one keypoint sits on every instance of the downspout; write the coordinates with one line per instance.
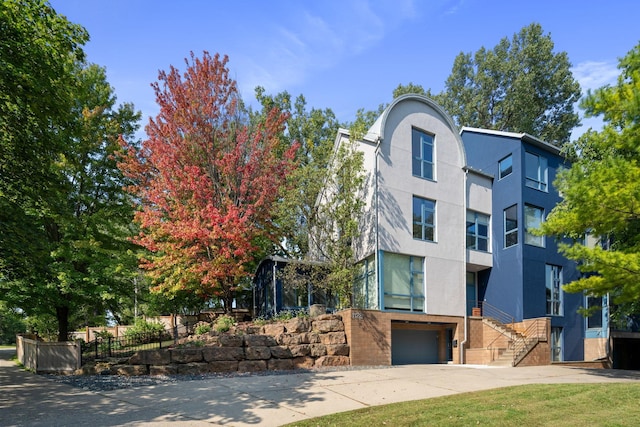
(464, 251)
(275, 296)
(377, 227)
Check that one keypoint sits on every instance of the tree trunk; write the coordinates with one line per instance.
(62, 314)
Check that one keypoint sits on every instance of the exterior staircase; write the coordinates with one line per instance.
(520, 342)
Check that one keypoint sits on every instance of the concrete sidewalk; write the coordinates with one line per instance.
(27, 399)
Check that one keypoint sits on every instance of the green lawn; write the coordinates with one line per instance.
(610, 404)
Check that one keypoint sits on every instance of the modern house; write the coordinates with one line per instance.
(528, 273)
(446, 243)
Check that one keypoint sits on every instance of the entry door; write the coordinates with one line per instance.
(410, 346)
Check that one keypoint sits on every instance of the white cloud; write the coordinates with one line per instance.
(593, 75)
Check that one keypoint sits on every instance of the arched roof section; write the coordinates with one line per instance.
(377, 130)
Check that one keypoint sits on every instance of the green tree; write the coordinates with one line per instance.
(519, 86)
(71, 257)
(601, 194)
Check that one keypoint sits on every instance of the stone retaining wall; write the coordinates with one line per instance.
(297, 343)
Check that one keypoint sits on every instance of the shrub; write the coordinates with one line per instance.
(202, 328)
(143, 327)
(224, 323)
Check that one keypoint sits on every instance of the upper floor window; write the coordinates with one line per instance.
(533, 219)
(511, 226)
(553, 282)
(505, 166)
(477, 231)
(424, 224)
(536, 171)
(422, 154)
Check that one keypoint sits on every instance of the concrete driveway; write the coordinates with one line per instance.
(31, 400)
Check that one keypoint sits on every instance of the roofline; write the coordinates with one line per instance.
(478, 172)
(522, 136)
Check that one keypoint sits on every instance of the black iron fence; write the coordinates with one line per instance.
(104, 347)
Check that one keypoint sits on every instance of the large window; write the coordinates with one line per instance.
(422, 154)
(424, 219)
(505, 166)
(553, 282)
(511, 226)
(536, 171)
(477, 231)
(403, 281)
(365, 289)
(532, 220)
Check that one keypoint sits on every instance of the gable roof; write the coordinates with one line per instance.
(524, 137)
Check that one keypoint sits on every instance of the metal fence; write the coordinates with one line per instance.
(102, 348)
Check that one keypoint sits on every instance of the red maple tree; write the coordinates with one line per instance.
(206, 180)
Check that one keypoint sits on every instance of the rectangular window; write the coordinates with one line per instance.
(477, 231)
(505, 166)
(422, 154)
(553, 282)
(533, 217)
(424, 219)
(365, 289)
(511, 226)
(472, 292)
(536, 171)
(594, 320)
(403, 282)
(556, 344)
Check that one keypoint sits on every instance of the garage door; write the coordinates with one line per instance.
(409, 346)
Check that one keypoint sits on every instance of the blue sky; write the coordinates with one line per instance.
(340, 54)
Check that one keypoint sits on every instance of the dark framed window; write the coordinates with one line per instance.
(553, 283)
(422, 164)
(536, 171)
(505, 167)
(594, 320)
(403, 279)
(477, 231)
(511, 226)
(533, 217)
(424, 225)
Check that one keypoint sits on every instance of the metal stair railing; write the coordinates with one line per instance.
(535, 332)
(495, 313)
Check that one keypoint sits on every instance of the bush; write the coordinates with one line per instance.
(143, 327)
(224, 323)
(202, 328)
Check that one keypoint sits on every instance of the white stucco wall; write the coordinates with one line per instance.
(445, 258)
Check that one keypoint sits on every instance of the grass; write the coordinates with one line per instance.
(613, 404)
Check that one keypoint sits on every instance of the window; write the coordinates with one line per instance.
(511, 226)
(594, 320)
(556, 344)
(472, 292)
(536, 171)
(365, 289)
(505, 166)
(403, 282)
(532, 219)
(422, 154)
(424, 219)
(477, 231)
(553, 282)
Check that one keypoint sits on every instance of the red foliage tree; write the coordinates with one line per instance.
(207, 180)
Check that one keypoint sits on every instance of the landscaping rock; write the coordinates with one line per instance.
(214, 354)
(318, 350)
(289, 339)
(186, 355)
(300, 350)
(281, 352)
(337, 350)
(297, 325)
(252, 365)
(332, 361)
(257, 353)
(280, 364)
(223, 366)
(329, 325)
(163, 370)
(129, 370)
(273, 329)
(150, 357)
(303, 362)
(193, 368)
(333, 338)
(310, 338)
(259, 341)
(227, 340)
